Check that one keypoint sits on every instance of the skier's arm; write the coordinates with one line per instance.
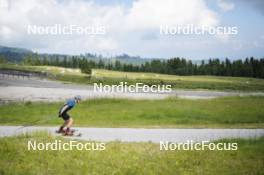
(63, 109)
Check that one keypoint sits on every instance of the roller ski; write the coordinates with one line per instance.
(68, 132)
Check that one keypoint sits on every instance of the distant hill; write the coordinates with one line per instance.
(13, 54)
(123, 58)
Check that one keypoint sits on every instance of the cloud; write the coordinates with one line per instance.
(225, 5)
(126, 27)
(153, 13)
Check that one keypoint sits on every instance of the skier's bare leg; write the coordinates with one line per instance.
(68, 123)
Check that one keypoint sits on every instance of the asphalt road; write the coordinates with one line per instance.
(142, 135)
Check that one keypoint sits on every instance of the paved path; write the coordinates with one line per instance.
(144, 135)
(17, 89)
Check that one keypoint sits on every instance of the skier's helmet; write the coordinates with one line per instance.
(78, 97)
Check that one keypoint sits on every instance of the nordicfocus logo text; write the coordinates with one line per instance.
(190, 145)
(138, 87)
(191, 29)
(58, 145)
(59, 29)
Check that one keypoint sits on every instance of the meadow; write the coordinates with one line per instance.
(227, 112)
(128, 158)
(177, 82)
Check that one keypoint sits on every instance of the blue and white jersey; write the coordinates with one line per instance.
(70, 103)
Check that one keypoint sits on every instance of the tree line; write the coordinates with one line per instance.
(249, 67)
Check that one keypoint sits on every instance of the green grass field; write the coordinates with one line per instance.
(228, 112)
(114, 77)
(184, 82)
(128, 158)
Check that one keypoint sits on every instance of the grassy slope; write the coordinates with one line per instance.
(230, 112)
(114, 77)
(128, 158)
(186, 82)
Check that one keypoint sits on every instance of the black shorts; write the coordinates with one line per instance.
(63, 114)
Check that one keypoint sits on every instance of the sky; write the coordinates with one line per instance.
(134, 27)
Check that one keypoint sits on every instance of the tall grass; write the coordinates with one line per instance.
(128, 158)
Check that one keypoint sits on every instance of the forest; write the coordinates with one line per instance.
(248, 67)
